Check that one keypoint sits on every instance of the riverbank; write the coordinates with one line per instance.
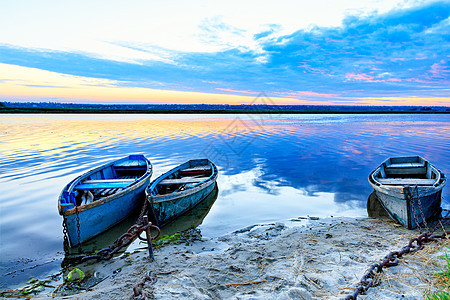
(262, 105)
(306, 259)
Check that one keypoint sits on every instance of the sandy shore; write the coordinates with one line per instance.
(309, 259)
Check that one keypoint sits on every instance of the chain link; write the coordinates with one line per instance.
(65, 233)
(371, 277)
(140, 292)
(123, 241)
(412, 203)
(420, 207)
(78, 228)
(143, 210)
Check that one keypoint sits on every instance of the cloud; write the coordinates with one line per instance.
(305, 94)
(400, 53)
(364, 48)
(440, 70)
(239, 92)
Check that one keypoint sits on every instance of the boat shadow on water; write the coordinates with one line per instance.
(375, 209)
(193, 217)
(190, 219)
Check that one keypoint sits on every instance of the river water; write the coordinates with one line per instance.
(272, 168)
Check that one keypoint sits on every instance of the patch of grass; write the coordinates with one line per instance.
(441, 295)
(443, 278)
(33, 286)
(187, 237)
(166, 239)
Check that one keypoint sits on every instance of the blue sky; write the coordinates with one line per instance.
(296, 52)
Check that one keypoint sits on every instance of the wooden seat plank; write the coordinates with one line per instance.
(183, 180)
(131, 163)
(198, 168)
(406, 181)
(406, 165)
(104, 184)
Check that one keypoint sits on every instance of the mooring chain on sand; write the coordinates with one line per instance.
(142, 224)
(371, 278)
(140, 292)
(126, 239)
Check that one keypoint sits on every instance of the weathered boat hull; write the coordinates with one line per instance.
(166, 208)
(408, 212)
(98, 216)
(409, 189)
(97, 219)
(166, 211)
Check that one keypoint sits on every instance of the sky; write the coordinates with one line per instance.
(341, 52)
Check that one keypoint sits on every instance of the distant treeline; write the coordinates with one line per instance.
(76, 108)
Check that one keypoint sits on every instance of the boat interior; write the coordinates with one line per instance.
(110, 180)
(408, 171)
(184, 179)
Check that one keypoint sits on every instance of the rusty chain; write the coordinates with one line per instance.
(411, 200)
(420, 208)
(371, 277)
(78, 228)
(143, 210)
(65, 233)
(140, 292)
(123, 241)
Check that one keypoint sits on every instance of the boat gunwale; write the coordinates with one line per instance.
(173, 196)
(133, 186)
(439, 182)
(181, 194)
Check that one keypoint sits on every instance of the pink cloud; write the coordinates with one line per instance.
(417, 80)
(369, 78)
(363, 76)
(439, 70)
(312, 69)
(306, 93)
(236, 91)
(397, 59)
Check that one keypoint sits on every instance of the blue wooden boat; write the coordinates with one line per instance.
(104, 196)
(409, 188)
(180, 189)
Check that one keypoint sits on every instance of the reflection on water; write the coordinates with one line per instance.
(192, 218)
(272, 167)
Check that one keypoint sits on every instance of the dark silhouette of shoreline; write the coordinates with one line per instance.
(73, 108)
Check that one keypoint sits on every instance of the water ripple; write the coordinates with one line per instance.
(307, 164)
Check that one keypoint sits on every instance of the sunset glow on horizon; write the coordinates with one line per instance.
(366, 52)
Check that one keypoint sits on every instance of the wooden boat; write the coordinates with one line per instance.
(409, 188)
(104, 196)
(180, 189)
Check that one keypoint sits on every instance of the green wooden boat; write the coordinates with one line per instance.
(180, 189)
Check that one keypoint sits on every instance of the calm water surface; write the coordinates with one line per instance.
(272, 168)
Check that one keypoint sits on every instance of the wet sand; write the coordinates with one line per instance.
(305, 259)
